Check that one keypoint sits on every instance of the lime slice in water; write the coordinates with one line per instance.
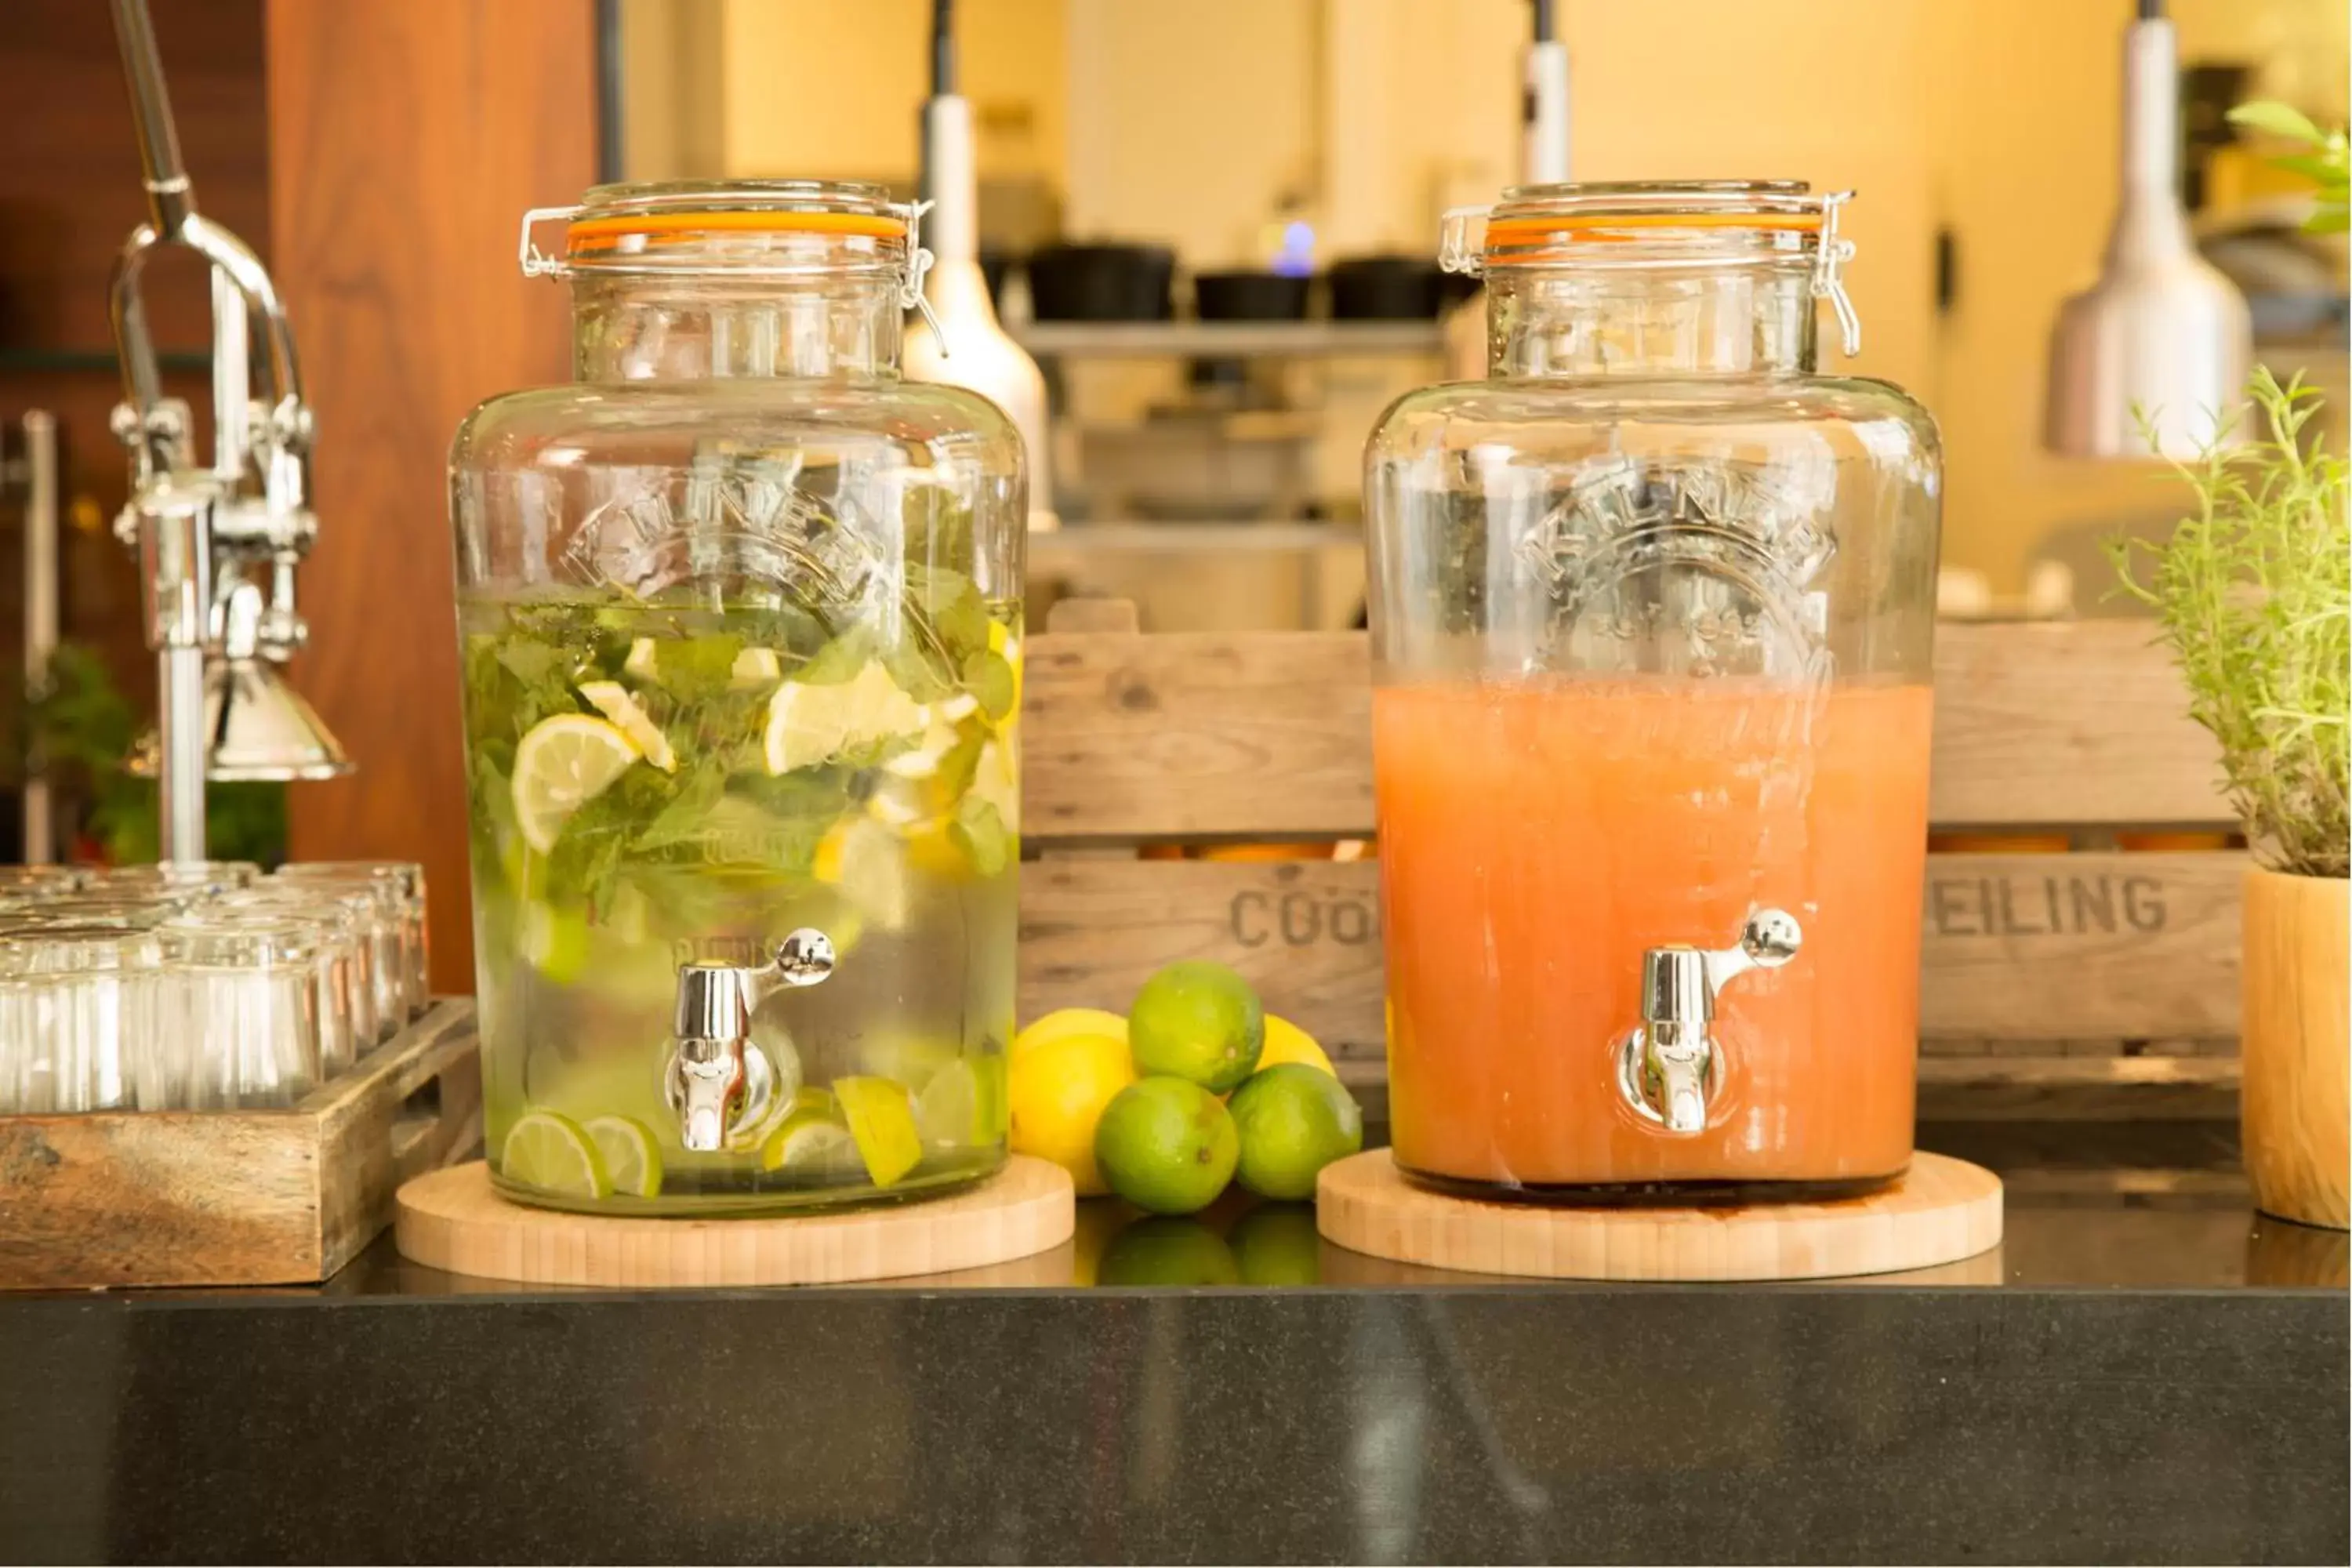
(560, 764)
(612, 699)
(883, 1124)
(948, 1108)
(631, 1159)
(550, 1152)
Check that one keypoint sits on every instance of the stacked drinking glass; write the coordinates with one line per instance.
(200, 986)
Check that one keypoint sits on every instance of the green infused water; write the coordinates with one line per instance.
(654, 781)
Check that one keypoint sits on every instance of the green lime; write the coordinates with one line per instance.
(548, 1151)
(1199, 1021)
(1163, 1249)
(1294, 1120)
(1166, 1145)
(1276, 1243)
(631, 1159)
(883, 1122)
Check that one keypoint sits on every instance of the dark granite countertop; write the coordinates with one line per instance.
(2145, 1371)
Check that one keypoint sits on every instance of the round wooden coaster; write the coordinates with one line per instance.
(452, 1219)
(1942, 1210)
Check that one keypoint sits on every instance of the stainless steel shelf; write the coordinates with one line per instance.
(1195, 538)
(1227, 340)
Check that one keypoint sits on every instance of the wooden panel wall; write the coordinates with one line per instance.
(408, 137)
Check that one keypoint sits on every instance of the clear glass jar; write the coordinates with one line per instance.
(740, 614)
(1652, 611)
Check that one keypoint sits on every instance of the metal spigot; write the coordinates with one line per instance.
(719, 1079)
(1665, 1069)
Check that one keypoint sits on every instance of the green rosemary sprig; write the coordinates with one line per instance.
(2328, 165)
(2253, 593)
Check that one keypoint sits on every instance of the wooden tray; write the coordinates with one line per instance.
(236, 1197)
(1941, 1211)
(452, 1219)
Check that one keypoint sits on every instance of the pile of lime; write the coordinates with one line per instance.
(1195, 1087)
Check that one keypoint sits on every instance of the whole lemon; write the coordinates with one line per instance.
(1199, 1021)
(1286, 1042)
(1069, 1021)
(1166, 1144)
(1057, 1092)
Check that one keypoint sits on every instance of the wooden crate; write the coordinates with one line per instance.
(236, 1197)
(2081, 979)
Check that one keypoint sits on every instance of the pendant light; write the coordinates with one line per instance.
(2162, 335)
(967, 345)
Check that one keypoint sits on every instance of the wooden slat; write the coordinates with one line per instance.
(1267, 735)
(2077, 723)
(1188, 735)
(2140, 945)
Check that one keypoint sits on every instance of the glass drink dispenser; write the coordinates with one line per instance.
(1651, 613)
(739, 623)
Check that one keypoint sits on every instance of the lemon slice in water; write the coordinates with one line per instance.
(631, 1159)
(550, 1152)
(808, 1143)
(611, 698)
(560, 764)
(882, 1123)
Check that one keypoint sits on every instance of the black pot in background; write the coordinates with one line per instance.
(1101, 283)
(1387, 288)
(994, 264)
(1249, 296)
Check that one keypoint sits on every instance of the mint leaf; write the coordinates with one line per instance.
(980, 832)
(839, 661)
(681, 820)
(532, 662)
(948, 599)
(695, 667)
(988, 677)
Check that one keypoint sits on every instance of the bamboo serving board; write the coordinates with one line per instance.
(1941, 1211)
(452, 1219)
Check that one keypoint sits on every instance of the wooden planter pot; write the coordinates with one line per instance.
(2296, 1057)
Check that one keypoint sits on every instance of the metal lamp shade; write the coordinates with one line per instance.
(2162, 337)
(257, 729)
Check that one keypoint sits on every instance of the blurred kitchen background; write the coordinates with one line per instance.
(1212, 224)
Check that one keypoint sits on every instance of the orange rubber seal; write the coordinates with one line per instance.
(588, 235)
(1597, 228)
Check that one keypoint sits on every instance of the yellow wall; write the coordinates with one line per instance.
(832, 89)
(1191, 123)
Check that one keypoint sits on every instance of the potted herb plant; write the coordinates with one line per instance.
(2253, 591)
